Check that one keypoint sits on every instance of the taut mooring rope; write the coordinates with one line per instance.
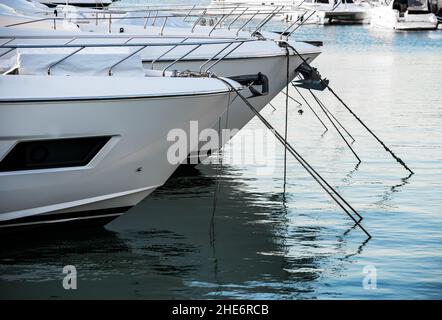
(286, 113)
(399, 160)
(315, 175)
(218, 183)
(334, 125)
(311, 108)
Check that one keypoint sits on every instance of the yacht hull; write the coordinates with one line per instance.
(386, 18)
(128, 167)
(324, 14)
(345, 17)
(238, 115)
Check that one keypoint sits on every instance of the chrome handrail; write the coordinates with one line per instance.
(187, 15)
(237, 17)
(223, 57)
(247, 22)
(117, 36)
(267, 19)
(141, 46)
(155, 18)
(63, 59)
(213, 57)
(198, 20)
(147, 19)
(122, 60)
(111, 15)
(167, 52)
(180, 58)
(164, 24)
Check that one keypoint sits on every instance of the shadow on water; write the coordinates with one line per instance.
(162, 247)
(250, 253)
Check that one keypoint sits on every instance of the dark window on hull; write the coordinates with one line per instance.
(53, 153)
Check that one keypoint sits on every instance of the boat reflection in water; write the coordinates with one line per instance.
(245, 251)
(164, 248)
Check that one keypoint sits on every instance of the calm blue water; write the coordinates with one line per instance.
(267, 245)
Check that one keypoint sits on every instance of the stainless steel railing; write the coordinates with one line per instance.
(193, 43)
(110, 16)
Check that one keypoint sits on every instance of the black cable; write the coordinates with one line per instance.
(311, 108)
(399, 160)
(286, 113)
(217, 183)
(315, 175)
(334, 125)
(330, 113)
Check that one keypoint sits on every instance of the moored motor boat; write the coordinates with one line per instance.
(78, 144)
(330, 11)
(266, 58)
(403, 15)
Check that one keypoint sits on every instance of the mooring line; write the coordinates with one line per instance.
(218, 183)
(286, 113)
(399, 160)
(315, 175)
(311, 108)
(215, 197)
(330, 113)
(334, 125)
(340, 124)
(270, 104)
(291, 98)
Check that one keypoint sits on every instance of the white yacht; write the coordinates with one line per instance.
(83, 134)
(435, 7)
(27, 15)
(264, 61)
(403, 15)
(250, 5)
(330, 11)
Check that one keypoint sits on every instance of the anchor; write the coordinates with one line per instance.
(312, 80)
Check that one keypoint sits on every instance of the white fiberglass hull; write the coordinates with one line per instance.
(273, 67)
(387, 18)
(264, 57)
(131, 164)
(250, 58)
(324, 14)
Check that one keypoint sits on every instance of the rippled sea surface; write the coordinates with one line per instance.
(260, 243)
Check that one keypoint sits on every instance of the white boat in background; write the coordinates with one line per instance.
(77, 143)
(78, 3)
(435, 7)
(27, 16)
(403, 15)
(330, 11)
(251, 5)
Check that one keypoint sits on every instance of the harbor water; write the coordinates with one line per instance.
(262, 243)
